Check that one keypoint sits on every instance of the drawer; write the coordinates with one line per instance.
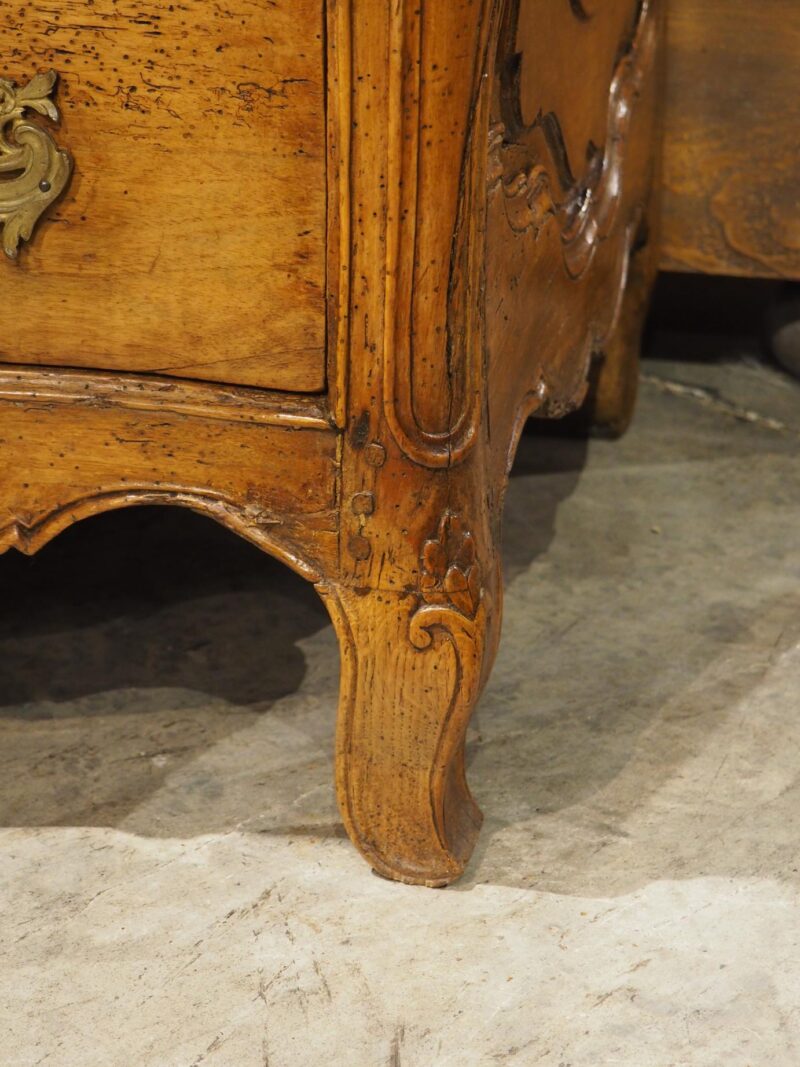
(190, 241)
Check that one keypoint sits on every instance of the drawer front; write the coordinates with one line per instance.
(190, 240)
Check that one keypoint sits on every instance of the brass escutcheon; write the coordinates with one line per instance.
(34, 171)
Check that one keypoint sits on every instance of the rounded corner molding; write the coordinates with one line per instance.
(34, 171)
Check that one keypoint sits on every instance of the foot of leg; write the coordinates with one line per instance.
(412, 671)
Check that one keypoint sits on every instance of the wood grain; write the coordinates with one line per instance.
(571, 185)
(64, 461)
(492, 310)
(191, 241)
(731, 198)
(489, 168)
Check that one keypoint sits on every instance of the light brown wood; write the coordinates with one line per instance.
(614, 374)
(559, 309)
(192, 238)
(731, 201)
(489, 310)
(482, 213)
(74, 452)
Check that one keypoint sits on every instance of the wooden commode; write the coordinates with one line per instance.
(307, 269)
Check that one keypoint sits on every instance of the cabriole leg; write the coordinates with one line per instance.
(413, 667)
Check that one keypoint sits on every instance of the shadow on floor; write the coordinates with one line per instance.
(132, 645)
(641, 720)
(136, 598)
(160, 676)
(139, 641)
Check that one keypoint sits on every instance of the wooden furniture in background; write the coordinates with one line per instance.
(310, 278)
(731, 201)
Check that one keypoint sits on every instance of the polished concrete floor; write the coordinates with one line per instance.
(176, 888)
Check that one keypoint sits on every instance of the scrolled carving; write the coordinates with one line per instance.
(531, 165)
(34, 171)
(455, 614)
(454, 608)
(528, 194)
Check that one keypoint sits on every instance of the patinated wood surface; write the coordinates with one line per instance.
(731, 201)
(191, 240)
(68, 452)
(489, 173)
(573, 166)
(504, 275)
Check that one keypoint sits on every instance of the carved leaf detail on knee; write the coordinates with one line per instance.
(454, 606)
(450, 571)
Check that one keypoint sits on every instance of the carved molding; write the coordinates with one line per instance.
(531, 165)
(30, 532)
(600, 200)
(339, 104)
(435, 259)
(154, 393)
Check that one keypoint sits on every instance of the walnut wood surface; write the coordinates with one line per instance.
(484, 201)
(731, 202)
(566, 211)
(191, 241)
(68, 456)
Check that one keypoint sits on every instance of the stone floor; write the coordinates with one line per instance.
(175, 883)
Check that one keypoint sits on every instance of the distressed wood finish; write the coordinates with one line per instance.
(566, 212)
(485, 200)
(73, 447)
(191, 241)
(731, 199)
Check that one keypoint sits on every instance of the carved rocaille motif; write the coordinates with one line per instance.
(531, 162)
(528, 193)
(454, 621)
(34, 171)
(454, 606)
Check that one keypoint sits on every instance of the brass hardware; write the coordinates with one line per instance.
(37, 169)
